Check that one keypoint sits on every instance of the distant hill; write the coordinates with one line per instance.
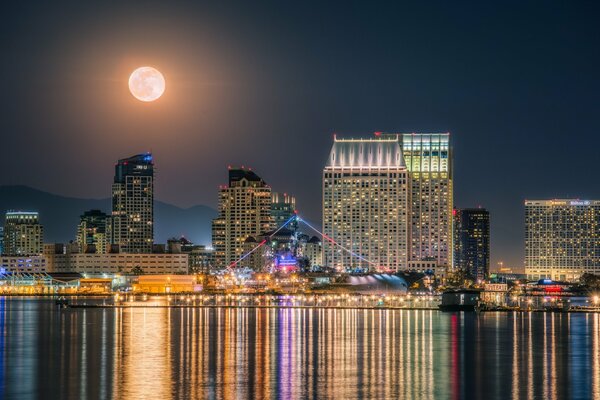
(60, 215)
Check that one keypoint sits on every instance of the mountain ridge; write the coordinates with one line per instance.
(60, 214)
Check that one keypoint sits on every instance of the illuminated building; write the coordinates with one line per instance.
(25, 264)
(365, 205)
(23, 233)
(244, 211)
(428, 158)
(201, 258)
(133, 204)
(472, 241)
(111, 263)
(93, 232)
(562, 239)
(312, 250)
(387, 202)
(1, 240)
(283, 207)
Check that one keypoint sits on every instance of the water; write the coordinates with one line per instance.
(161, 353)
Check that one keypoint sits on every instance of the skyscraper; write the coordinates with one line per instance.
(133, 204)
(428, 158)
(283, 207)
(388, 201)
(23, 233)
(244, 211)
(562, 238)
(365, 205)
(472, 241)
(93, 232)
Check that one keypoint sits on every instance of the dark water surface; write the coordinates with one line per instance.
(162, 353)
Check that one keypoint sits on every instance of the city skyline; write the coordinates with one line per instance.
(236, 80)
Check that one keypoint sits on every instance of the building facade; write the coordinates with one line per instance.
(562, 238)
(93, 232)
(472, 241)
(428, 158)
(23, 233)
(283, 207)
(95, 263)
(365, 205)
(133, 204)
(388, 200)
(23, 264)
(244, 211)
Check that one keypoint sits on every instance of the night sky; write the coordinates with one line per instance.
(266, 85)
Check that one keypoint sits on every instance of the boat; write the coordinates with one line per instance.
(460, 300)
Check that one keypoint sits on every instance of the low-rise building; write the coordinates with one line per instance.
(26, 264)
(112, 263)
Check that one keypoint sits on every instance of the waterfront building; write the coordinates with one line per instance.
(283, 207)
(93, 232)
(23, 233)
(1, 240)
(133, 204)
(428, 158)
(312, 250)
(113, 263)
(23, 264)
(201, 258)
(244, 211)
(366, 205)
(562, 238)
(472, 241)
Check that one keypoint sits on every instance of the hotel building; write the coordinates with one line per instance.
(387, 202)
(472, 241)
(562, 238)
(93, 232)
(365, 205)
(244, 211)
(133, 204)
(23, 233)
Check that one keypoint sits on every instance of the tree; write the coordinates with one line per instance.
(590, 281)
(137, 270)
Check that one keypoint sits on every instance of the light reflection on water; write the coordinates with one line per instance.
(294, 353)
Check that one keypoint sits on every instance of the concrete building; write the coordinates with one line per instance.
(428, 158)
(23, 264)
(133, 204)
(244, 211)
(365, 205)
(93, 232)
(388, 200)
(112, 263)
(283, 207)
(562, 238)
(23, 233)
(472, 241)
(312, 249)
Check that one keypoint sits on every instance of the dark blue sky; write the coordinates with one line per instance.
(265, 85)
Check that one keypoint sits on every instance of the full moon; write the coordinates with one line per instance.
(146, 84)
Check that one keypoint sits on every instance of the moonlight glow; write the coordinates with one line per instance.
(146, 84)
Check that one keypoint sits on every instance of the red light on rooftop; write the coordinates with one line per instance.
(378, 133)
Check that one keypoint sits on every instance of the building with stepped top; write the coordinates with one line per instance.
(387, 202)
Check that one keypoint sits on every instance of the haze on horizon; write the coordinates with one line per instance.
(266, 85)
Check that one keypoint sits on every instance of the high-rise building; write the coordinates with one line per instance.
(387, 202)
(133, 204)
(562, 238)
(428, 158)
(1, 240)
(244, 211)
(365, 205)
(23, 233)
(93, 232)
(283, 207)
(472, 241)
